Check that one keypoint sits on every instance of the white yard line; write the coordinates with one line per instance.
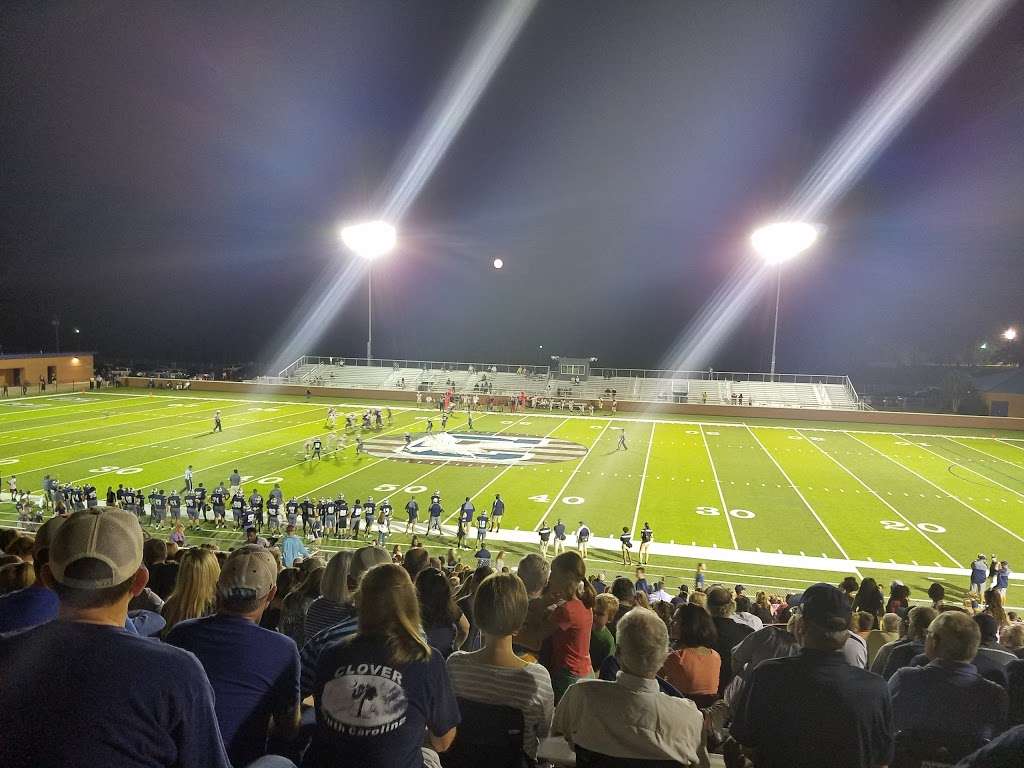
(572, 474)
(956, 498)
(1010, 443)
(878, 496)
(964, 466)
(986, 453)
(721, 493)
(796, 490)
(643, 481)
(26, 425)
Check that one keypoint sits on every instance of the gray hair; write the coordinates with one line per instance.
(1012, 636)
(953, 636)
(891, 622)
(642, 639)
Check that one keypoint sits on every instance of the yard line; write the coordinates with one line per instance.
(494, 479)
(572, 475)
(978, 512)
(798, 493)
(964, 466)
(878, 496)
(643, 481)
(210, 448)
(167, 440)
(31, 424)
(986, 453)
(1011, 444)
(127, 434)
(721, 494)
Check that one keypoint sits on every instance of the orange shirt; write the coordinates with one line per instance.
(693, 670)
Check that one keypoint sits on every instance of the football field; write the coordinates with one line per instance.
(765, 503)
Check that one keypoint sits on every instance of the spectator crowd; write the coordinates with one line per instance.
(118, 650)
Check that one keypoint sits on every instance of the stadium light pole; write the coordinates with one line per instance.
(777, 243)
(369, 240)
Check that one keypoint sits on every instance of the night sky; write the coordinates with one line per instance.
(173, 175)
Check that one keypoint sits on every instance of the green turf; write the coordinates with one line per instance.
(866, 493)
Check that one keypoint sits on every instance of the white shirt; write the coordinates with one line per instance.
(660, 596)
(629, 718)
(742, 617)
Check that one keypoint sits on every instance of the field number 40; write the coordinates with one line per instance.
(896, 525)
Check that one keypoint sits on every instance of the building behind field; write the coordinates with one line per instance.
(64, 368)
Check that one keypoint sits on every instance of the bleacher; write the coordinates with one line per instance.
(637, 385)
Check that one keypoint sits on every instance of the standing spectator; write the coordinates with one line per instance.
(254, 671)
(849, 586)
(721, 606)
(292, 547)
(899, 600)
(495, 673)
(625, 593)
(991, 657)
(936, 593)
(979, 574)
(533, 570)
(116, 698)
(377, 693)
(694, 667)
(195, 589)
(948, 695)
(869, 599)
(830, 707)
(1003, 578)
(571, 620)
(602, 641)
(296, 603)
(445, 626)
(994, 607)
(876, 638)
(630, 717)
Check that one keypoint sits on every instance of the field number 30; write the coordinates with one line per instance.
(741, 514)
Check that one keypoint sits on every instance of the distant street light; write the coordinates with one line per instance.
(777, 243)
(1010, 334)
(369, 240)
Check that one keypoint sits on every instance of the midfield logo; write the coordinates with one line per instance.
(476, 448)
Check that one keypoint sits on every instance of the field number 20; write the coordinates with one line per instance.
(896, 525)
(740, 514)
(118, 470)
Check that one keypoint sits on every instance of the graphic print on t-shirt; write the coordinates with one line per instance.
(364, 700)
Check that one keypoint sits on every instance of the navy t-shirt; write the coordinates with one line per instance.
(372, 714)
(254, 673)
(28, 607)
(101, 696)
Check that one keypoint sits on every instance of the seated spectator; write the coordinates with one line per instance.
(623, 590)
(994, 608)
(104, 696)
(602, 641)
(1007, 751)
(287, 578)
(630, 717)
(297, 602)
(1012, 639)
(15, 576)
(991, 657)
(721, 606)
(335, 602)
(570, 620)
(948, 695)
(35, 604)
(762, 609)
(862, 623)
(804, 707)
(494, 674)
(693, 668)
(254, 671)
(771, 642)
(902, 651)
(195, 589)
(162, 574)
(888, 632)
(416, 559)
(445, 625)
(378, 691)
(1015, 689)
(363, 559)
(465, 604)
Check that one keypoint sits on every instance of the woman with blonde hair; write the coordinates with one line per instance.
(571, 620)
(195, 588)
(377, 691)
(495, 673)
(335, 604)
(994, 607)
(15, 576)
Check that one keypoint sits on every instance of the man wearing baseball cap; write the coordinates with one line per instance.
(254, 671)
(832, 712)
(97, 694)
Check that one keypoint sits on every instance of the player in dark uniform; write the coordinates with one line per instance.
(626, 539)
(274, 511)
(330, 517)
(291, 512)
(174, 506)
(256, 504)
(306, 508)
(460, 533)
(369, 514)
(384, 514)
(646, 537)
(201, 501)
(497, 510)
(481, 526)
(412, 509)
(430, 426)
(434, 523)
(355, 518)
(317, 447)
(444, 421)
(129, 502)
(217, 501)
(91, 497)
(191, 510)
(157, 500)
(545, 538)
(217, 427)
(237, 508)
(119, 494)
(342, 507)
(559, 536)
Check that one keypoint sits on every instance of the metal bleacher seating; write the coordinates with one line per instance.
(784, 391)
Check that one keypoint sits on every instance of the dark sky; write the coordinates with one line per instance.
(172, 175)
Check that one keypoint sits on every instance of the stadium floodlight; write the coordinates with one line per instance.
(1010, 333)
(369, 240)
(776, 243)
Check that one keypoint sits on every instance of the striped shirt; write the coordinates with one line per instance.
(527, 689)
(324, 613)
(310, 656)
